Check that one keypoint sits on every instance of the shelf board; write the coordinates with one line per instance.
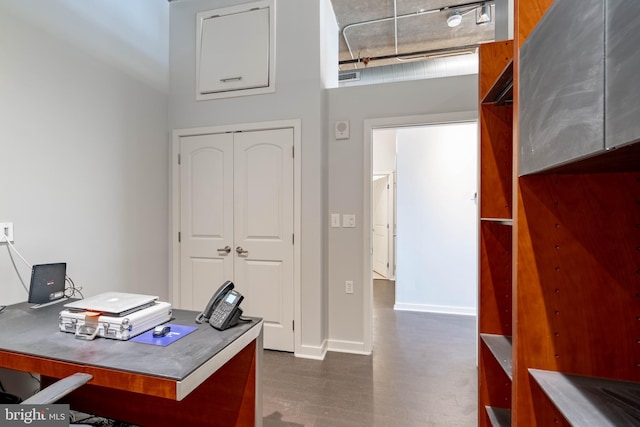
(589, 401)
(499, 417)
(500, 346)
(503, 221)
(501, 93)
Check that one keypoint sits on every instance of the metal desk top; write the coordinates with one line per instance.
(35, 332)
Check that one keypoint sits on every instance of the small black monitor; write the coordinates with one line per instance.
(47, 283)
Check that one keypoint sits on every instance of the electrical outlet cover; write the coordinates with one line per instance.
(6, 228)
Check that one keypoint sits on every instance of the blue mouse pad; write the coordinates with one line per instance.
(177, 332)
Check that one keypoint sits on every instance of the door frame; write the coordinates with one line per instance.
(174, 202)
(367, 202)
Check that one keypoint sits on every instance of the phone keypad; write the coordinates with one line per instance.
(220, 313)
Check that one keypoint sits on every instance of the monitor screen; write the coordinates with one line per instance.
(47, 283)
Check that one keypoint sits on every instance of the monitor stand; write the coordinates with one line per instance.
(49, 303)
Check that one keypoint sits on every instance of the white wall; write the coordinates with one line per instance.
(384, 150)
(83, 101)
(299, 95)
(437, 218)
(83, 146)
(347, 326)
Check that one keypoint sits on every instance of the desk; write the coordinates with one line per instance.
(207, 378)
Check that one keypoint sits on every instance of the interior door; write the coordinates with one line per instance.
(381, 226)
(206, 216)
(263, 230)
(236, 210)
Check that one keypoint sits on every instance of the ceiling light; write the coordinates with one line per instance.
(454, 19)
(483, 14)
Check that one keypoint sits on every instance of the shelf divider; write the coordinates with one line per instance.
(500, 346)
(590, 401)
(503, 221)
(499, 417)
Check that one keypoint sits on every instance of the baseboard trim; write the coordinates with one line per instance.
(352, 347)
(442, 309)
(313, 352)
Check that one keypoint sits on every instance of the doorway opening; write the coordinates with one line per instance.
(409, 201)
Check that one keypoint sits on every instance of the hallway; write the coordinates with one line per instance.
(422, 373)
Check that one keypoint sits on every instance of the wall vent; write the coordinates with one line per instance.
(348, 77)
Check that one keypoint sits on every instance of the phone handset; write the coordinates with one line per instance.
(215, 300)
(223, 309)
(227, 312)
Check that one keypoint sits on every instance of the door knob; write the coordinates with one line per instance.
(241, 251)
(226, 249)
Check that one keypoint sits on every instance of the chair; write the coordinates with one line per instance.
(58, 389)
(51, 393)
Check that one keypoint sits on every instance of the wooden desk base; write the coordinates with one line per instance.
(227, 398)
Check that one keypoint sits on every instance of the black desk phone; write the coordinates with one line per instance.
(223, 310)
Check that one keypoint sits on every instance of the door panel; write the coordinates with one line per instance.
(208, 272)
(381, 226)
(206, 216)
(260, 169)
(262, 301)
(263, 171)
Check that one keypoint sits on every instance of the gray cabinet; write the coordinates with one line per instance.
(622, 104)
(562, 72)
(579, 94)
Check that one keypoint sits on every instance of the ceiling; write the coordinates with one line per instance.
(368, 30)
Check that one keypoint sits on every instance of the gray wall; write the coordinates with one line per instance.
(346, 175)
(299, 94)
(83, 101)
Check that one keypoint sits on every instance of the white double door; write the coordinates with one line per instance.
(236, 214)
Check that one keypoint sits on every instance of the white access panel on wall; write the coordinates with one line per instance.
(235, 51)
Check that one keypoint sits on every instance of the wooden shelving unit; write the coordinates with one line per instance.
(559, 271)
(496, 231)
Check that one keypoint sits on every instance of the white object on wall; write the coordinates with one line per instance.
(342, 129)
(349, 221)
(234, 52)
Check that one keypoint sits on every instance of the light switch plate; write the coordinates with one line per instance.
(348, 286)
(348, 221)
(335, 220)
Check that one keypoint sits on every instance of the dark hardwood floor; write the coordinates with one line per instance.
(422, 373)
